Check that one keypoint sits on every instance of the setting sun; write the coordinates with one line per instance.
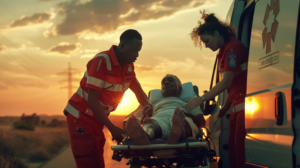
(124, 101)
(251, 106)
(31, 84)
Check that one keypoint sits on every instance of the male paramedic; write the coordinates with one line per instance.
(109, 74)
(168, 119)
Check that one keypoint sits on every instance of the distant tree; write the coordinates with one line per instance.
(23, 125)
(55, 120)
(43, 122)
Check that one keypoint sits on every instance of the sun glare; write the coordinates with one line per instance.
(124, 101)
(251, 105)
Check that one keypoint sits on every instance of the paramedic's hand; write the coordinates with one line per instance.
(222, 112)
(148, 110)
(118, 134)
(193, 103)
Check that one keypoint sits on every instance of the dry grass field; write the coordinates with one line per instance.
(29, 149)
(22, 148)
(25, 148)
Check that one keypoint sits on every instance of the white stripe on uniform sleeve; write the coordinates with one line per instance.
(82, 94)
(108, 65)
(126, 86)
(95, 81)
(72, 110)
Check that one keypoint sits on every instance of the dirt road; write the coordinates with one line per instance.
(66, 160)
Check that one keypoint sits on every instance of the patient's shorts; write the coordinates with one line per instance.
(164, 119)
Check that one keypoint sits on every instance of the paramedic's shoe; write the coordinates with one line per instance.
(136, 132)
(178, 123)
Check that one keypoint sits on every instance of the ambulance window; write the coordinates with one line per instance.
(246, 25)
(229, 14)
(215, 77)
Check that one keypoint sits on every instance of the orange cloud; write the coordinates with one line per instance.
(3, 87)
(34, 19)
(64, 48)
(103, 16)
(142, 68)
(1, 48)
(21, 83)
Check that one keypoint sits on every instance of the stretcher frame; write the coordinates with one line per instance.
(185, 153)
(189, 152)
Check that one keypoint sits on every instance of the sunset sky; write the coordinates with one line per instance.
(39, 38)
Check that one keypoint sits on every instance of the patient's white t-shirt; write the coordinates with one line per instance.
(163, 111)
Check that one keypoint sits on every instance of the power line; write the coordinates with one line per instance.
(22, 64)
(69, 73)
(14, 17)
(8, 10)
(20, 50)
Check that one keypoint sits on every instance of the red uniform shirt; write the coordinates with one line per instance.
(233, 56)
(106, 75)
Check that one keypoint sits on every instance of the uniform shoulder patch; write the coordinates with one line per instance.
(232, 59)
(129, 69)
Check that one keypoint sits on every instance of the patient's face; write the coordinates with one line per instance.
(169, 86)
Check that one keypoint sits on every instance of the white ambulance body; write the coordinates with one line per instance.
(270, 30)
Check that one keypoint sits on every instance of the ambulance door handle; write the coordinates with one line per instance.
(279, 108)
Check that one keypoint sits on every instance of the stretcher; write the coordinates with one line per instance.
(190, 152)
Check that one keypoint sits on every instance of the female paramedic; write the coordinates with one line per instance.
(232, 58)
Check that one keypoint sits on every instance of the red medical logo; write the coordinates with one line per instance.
(266, 36)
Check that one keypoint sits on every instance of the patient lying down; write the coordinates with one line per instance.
(167, 119)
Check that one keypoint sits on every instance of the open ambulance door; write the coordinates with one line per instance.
(272, 117)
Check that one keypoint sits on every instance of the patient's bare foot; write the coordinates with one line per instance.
(178, 122)
(135, 131)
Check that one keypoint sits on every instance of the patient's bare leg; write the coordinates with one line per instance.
(178, 122)
(135, 131)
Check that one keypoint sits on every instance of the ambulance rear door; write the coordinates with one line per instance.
(268, 107)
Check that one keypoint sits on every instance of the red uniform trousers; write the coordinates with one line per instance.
(87, 147)
(236, 141)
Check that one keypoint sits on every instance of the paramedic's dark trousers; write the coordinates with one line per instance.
(87, 146)
(236, 142)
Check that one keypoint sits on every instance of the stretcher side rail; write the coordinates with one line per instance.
(160, 146)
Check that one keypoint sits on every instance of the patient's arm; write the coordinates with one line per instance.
(148, 110)
(198, 119)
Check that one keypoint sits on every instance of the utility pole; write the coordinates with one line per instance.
(69, 72)
(70, 81)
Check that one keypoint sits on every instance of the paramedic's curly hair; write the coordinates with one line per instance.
(210, 25)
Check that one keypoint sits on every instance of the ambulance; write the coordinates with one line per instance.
(270, 30)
